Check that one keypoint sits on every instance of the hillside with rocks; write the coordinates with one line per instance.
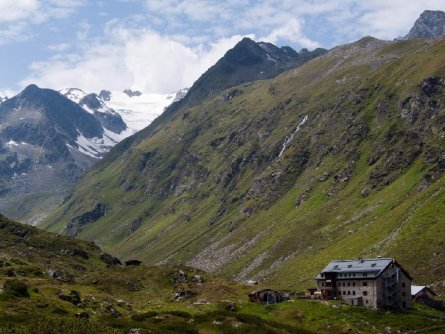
(54, 284)
(270, 180)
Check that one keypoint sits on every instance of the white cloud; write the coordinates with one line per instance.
(137, 59)
(59, 47)
(17, 16)
(13, 10)
(282, 20)
(167, 46)
(290, 31)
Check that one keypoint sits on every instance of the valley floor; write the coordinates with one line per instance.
(216, 306)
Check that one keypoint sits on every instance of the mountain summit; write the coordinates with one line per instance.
(430, 24)
(248, 61)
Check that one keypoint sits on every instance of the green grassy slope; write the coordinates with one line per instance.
(33, 300)
(363, 176)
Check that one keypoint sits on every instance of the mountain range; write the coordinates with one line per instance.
(50, 138)
(341, 157)
(272, 164)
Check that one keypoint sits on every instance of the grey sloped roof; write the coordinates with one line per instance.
(375, 266)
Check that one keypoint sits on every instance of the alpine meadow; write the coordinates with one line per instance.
(281, 192)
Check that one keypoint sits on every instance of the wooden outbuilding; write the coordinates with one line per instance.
(133, 263)
(266, 296)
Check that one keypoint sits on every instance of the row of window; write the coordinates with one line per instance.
(352, 275)
(328, 284)
(365, 293)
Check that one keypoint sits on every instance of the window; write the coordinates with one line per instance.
(353, 283)
(403, 293)
(365, 283)
(353, 275)
(403, 285)
(344, 292)
(322, 284)
(365, 274)
(365, 293)
(343, 283)
(353, 292)
(349, 292)
(349, 283)
(366, 301)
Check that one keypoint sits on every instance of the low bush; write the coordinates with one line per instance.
(16, 288)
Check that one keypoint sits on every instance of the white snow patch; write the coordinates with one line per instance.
(74, 94)
(93, 147)
(96, 147)
(291, 136)
(12, 143)
(270, 58)
(138, 111)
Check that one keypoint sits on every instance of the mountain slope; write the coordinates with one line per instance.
(54, 284)
(248, 61)
(340, 158)
(46, 143)
(430, 24)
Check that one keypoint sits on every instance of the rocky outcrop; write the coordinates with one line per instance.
(109, 119)
(111, 261)
(430, 24)
(74, 227)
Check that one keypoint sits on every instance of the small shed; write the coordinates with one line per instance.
(422, 292)
(267, 296)
(133, 263)
(310, 292)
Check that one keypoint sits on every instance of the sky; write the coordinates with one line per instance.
(161, 46)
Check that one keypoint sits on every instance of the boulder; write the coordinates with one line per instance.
(82, 315)
(181, 295)
(111, 261)
(179, 277)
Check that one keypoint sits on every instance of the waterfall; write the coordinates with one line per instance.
(291, 136)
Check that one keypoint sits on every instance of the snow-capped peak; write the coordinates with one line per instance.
(74, 94)
(134, 109)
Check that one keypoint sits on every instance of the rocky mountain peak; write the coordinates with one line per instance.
(105, 95)
(247, 61)
(430, 24)
(132, 93)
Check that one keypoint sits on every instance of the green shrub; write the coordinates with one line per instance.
(16, 288)
(181, 314)
(143, 316)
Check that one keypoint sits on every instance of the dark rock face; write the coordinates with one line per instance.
(105, 95)
(132, 93)
(75, 225)
(110, 260)
(109, 119)
(430, 24)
